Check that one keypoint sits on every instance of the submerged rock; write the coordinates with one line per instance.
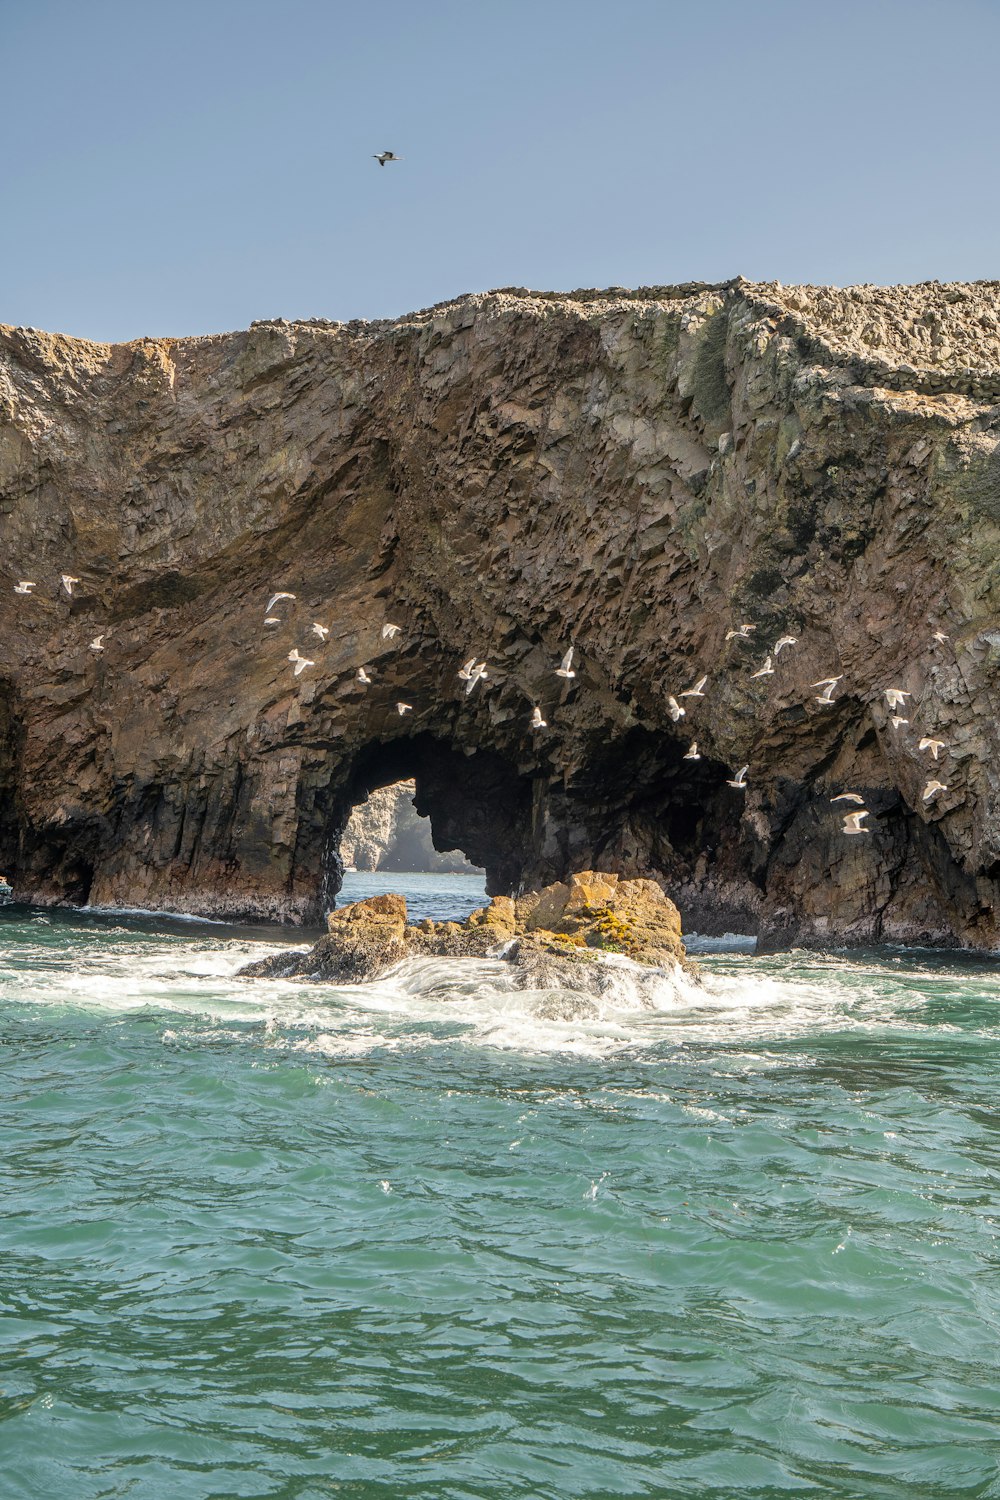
(554, 939)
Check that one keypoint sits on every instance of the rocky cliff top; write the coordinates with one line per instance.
(632, 473)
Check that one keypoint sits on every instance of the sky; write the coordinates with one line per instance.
(176, 167)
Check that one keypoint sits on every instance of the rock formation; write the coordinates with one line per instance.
(632, 472)
(551, 939)
(386, 833)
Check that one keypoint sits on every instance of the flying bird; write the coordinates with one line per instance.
(24, 587)
(783, 641)
(321, 630)
(363, 678)
(404, 708)
(932, 745)
(852, 822)
(68, 581)
(272, 620)
(698, 691)
(897, 722)
(767, 670)
(565, 667)
(827, 684)
(692, 753)
(940, 637)
(383, 156)
(97, 644)
(931, 790)
(478, 674)
(740, 781)
(743, 634)
(274, 599)
(895, 697)
(300, 662)
(389, 632)
(849, 797)
(537, 722)
(676, 712)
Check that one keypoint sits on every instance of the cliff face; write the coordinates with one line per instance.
(633, 473)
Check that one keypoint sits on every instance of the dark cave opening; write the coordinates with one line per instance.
(476, 804)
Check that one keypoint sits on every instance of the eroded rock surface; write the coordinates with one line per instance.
(631, 472)
(551, 938)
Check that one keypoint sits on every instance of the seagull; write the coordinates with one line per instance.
(321, 630)
(931, 790)
(24, 587)
(692, 753)
(404, 708)
(97, 644)
(565, 667)
(389, 632)
(301, 662)
(932, 745)
(478, 672)
(363, 677)
(852, 822)
(537, 722)
(698, 691)
(68, 581)
(274, 599)
(767, 670)
(743, 634)
(896, 721)
(272, 620)
(383, 156)
(783, 641)
(676, 712)
(849, 797)
(465, 671)
(740, 782)
(827, 684)
(940, 637)
(895, 697)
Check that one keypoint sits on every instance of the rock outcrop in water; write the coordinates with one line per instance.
(551, 938)
(632, 472)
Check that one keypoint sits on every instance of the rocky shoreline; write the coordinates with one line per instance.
(554, 938)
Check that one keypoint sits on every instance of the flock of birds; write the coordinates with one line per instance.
(474, 671)
(895, 699)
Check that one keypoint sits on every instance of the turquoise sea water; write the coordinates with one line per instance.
(435, 1238)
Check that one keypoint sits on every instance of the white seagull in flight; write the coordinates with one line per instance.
(274, 599)
(932, 745)
(97, 644)
(827, 684)
(68, 581)
(537, 722)
(767, 670)
(931, 790)
(674, 708)
(740, 782)
(321, 630)
(895, 697)
(478, 674)
(383, 156)
(783, 641)
(698, 691)
(24, 587)
(404, 708)
(363, 678)
(389, 632)
(849, 797)
(852, 822)
(565, 667)
(300, 662)
(692, 753)
(743, 634)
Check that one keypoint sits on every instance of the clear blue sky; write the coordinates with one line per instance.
(185, 166)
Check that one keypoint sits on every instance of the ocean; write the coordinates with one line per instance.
(437, 1238)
